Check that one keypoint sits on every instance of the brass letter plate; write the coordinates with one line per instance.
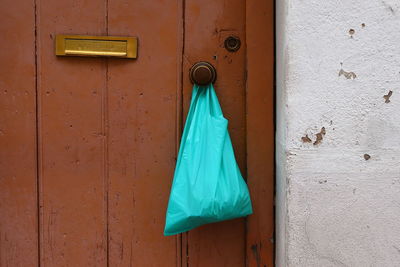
(96, 46)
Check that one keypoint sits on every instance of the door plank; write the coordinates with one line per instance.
(207, 24)
(260, 131)
(18, 194)
(142, 101)
(73, 174)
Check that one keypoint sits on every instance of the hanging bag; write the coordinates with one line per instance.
(208, 186)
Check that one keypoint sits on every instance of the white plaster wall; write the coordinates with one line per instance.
(334, 207)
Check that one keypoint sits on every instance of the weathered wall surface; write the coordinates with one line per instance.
(338, 140)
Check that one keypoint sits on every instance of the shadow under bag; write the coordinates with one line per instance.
(208, 186)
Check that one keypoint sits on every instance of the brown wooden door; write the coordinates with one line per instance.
(88, 145)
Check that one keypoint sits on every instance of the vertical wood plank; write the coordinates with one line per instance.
(72, 95)
(142, 102)
(207, 24)
(18, 194)
(260, 130)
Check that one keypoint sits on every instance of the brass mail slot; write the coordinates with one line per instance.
(96, 46)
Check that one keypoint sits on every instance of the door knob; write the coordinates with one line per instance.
(202, 73)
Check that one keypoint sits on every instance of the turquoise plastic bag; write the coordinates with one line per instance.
(207, 185)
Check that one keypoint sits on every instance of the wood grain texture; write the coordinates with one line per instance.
(260, 131)
(207, 24)
(18, 195)
(73, 174)
(142, 116)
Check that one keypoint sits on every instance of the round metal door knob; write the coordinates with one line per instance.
(202, 73)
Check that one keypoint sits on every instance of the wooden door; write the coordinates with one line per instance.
(88, 145)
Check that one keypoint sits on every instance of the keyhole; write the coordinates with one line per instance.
(232, 43)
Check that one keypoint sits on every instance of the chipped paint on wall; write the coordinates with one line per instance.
(387, 97)
(317, 137)
(347, 74)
